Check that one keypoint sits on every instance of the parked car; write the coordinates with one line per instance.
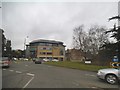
(110, 75)
(5, 62)
(38, 61)
(88, 61)
(25, 59)
(33, 59)
(15, 59)
(45, 60)
(55, 60)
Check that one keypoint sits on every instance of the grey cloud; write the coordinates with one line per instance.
(51, 20)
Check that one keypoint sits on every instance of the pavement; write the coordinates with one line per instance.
(27, 74)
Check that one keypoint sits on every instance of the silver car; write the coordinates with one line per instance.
(5, 62)
(110, 75)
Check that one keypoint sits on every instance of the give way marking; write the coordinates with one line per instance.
(32, 75)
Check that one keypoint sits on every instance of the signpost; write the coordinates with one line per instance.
(115, 59)
(114, 64)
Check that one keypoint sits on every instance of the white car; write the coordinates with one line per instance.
(15, 59)
(5, 62)
(46, 60)
(55, 60)
(25, 59)
(110, 75)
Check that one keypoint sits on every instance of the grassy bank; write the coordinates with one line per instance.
(76, 65)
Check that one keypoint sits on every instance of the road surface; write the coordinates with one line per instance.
(26, 74)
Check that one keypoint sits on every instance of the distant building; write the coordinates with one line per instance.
(74, 55)
(48, 49)
(5, 45)
(77, 55)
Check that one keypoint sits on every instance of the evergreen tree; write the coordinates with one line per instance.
(116, 34)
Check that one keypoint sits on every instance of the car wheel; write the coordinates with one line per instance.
(112, 79)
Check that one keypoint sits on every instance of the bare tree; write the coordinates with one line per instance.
(79, 38)
(97, 37)
(91, 41)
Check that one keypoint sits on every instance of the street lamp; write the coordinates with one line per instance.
(25, 45)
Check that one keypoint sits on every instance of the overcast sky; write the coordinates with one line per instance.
(52, 20)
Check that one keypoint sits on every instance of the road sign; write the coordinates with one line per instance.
(115, 60)
(114, 64)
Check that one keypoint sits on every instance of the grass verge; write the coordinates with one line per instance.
(77, 65)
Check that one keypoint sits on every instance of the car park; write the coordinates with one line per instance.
(110, 75)
(5, 62)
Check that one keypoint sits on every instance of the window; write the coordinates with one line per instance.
(41, 48)
(42, 44)
(61, 59)
(42, 53)
(55, 44)
(49, 53)
(32, 49)
(44, 48)
(49, 48)
(50, 44)
(61, 52)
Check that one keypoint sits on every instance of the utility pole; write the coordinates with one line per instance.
(25, 40)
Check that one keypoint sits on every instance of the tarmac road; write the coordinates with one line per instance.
(26, 74)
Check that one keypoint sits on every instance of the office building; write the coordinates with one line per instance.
(49, 49)
(5, 47)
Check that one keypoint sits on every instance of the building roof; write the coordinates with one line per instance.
(46, 41)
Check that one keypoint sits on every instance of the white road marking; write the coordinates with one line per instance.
(97, 88)
(30, 74)
(77, 84)
(50, 66)
(93, 75)
(18, 72)
(93, 87)
(28, 82)
(26, 65)
(11, 70)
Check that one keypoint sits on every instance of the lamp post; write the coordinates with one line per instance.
(25, 46)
